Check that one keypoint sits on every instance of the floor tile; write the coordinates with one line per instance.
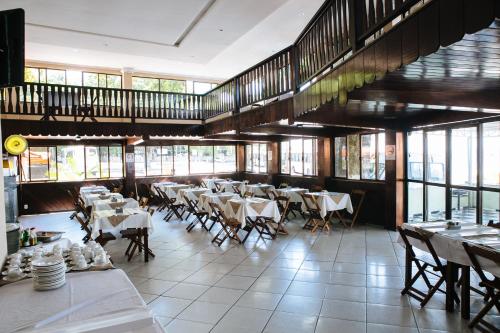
(284, 322)
(221, 295)
(235, 282)
(268, 285)
(309, 289)
(183, 326)
(186, 291)
(242, 319)
(300, 304)
(155, 287)
(344, 310)
(390, 315)
(259, 300)
(379, 328)
(168, 306)
(204, 278)
(204, 312)
(348, 279)
(346, 293)
(331, 325)
(386, 296)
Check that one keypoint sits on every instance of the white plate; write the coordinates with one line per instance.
(41, 288)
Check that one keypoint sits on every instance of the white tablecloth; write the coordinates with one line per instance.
(210, 182)
(93, 189)
(228, 185)
(331, 201)
(160, 185)
(172, 190)
(448, 243)
(240, 209)
(191, 193)
(135, 218)
(292, 193)
(97, 298)
(218, 198)
(90, 198)
(106, 204)
(259, 189)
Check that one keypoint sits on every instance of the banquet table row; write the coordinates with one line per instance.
(448, 245)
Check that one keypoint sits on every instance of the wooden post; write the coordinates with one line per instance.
(129, 170)
(394, 179)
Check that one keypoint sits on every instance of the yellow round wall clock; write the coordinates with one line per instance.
(15, 144)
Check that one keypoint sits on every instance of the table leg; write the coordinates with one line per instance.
(465, 293)
(408, 267)
(450, 285)
(146, 245)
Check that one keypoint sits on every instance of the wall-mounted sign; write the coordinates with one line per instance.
(390, 152)
(129, 157)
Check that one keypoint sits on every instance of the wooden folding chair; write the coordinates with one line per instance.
(118, 189)
(173, 207)
(315, 220)
(494, 225)
(284, 208)
(136, 235)
(84, 225)
(163, 201)
(247, 194)
(203, 184)
(491, 285)
(219, 188)
(200, 215)
(283, 185)
(236, 190)
(229, 226)
(347, 219)
(426, 264)
(74, 198)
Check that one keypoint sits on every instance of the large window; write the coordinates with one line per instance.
(72, 78)
(181, 160)
(360, 156)
(299, 157)
(446, 163)
(163, 85)
(256, 158)
(71, 163)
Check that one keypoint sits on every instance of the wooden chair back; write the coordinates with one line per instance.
(236, 190)
(311, 203)
(283, 185)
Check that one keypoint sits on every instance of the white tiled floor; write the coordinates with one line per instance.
(347, 281)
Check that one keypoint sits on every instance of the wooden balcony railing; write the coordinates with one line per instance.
(50, 101)
(338, 29)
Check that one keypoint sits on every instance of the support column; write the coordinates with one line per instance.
(129, 181)
(394, 179)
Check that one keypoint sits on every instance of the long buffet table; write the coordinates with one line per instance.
(104, 301)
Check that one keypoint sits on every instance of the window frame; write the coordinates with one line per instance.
(39, 69)
(250, 144)
(314, 162)
(448, 185)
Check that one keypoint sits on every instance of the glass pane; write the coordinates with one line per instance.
(115, 161)
(114, 81)
(201, 159)
(296, 157)
(25, 165)
(189, 87)
(92, 162)
(104, 162)
(368, 157)
(353, 157)
(248, 158)
(153, 160)
(90, 80)
(52, 163)
(255, 157)
(55, 76)
(176, 86)
(31, 75)
(310, 157)
(224, 159)
(416, 155)
(491, 207)
(167, 160)
(202, 87)
(284, 157)
(144, 83)
(436, 156)
(464, 156)
(102, 80)
(263, 158)
(415, 202)
(436, 203)
(181, 160)
(140, 161)
(39, 163)
(463, 205)
(381, 156)
(491, 154)
(340, 157)
(43, 75)
(70, 163)
(74, 78)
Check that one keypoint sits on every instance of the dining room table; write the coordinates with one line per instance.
(293, 193)
(227, 185)
(191, 193)
(259, 190)
(172, 190)
(219, 198)
(242, 209)
(331, 202)
(115, 220)
(108, 204)
(90, 198)
(93, 189)
(210, 182)
(161, 185)
(91, 301)
(448, 245)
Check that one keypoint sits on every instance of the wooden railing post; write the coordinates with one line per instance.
(237, 96)
(356, 22)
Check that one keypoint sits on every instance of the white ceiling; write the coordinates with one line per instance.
(141, 34)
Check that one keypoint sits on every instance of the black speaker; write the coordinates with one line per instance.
(12, 47)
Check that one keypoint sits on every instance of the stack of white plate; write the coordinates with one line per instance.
(48, 273)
